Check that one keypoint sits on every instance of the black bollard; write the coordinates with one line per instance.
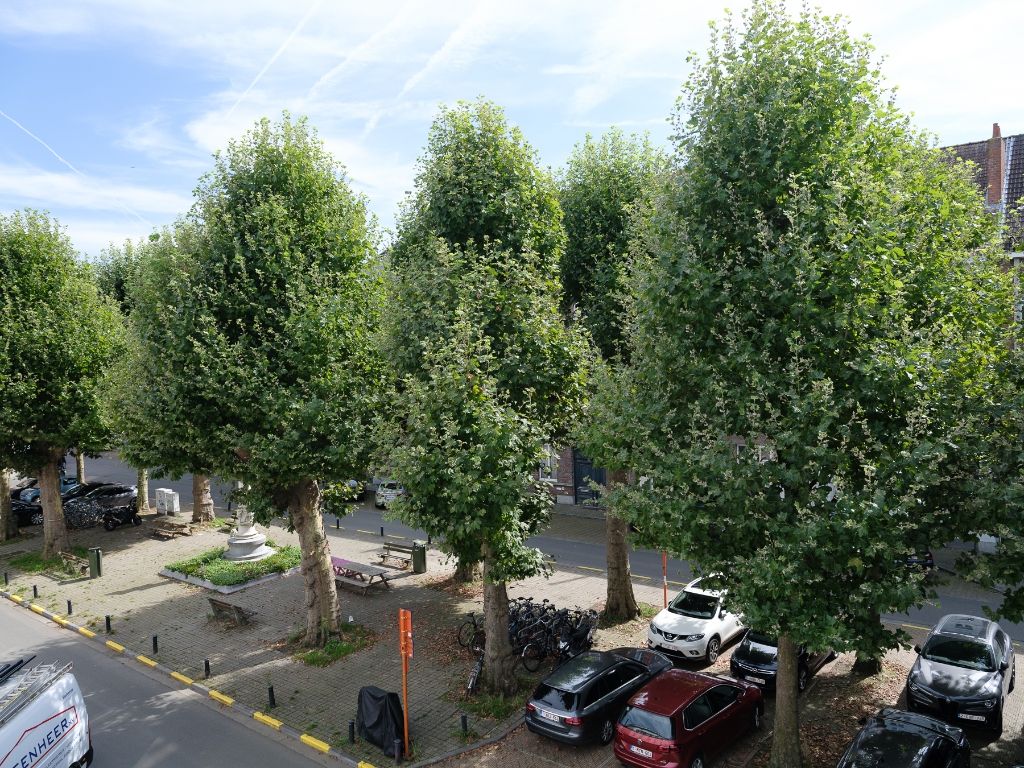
(398, 751)
(428, 539)
(206, 668)
(108, 623)
(270, 697)
(382, 530)
(337, 523)
(351, 731)
(69, 607)
(35, 591)
(464, 722)
(6, 579)
(155, 646)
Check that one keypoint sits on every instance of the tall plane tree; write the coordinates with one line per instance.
(488, 371)
(607, 183)
(57, 336)
(821, 313)
(254, 335)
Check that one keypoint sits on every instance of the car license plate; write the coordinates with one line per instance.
(753, 679)
(979, 718)
(640, 751)
(549, 716)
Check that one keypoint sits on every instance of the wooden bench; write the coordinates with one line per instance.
(79, 564)
(401, 553)
(168, 529)
(229, 612)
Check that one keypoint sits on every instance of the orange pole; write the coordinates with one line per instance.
(405, 703)
(664, 578)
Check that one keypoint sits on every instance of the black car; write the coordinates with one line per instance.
(581, 700)
(756, 660)
(27, 512)
(909, 740)
(963, 672)
(88, 510)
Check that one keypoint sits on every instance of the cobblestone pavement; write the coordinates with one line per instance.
(320, 701)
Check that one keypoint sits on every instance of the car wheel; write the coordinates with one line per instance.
(801, 679)
(1013, 680)
(997, 729)
(607, 731)
(714, 646)
(36, 518)
(697, 762)
(110, 523)
(755, 721)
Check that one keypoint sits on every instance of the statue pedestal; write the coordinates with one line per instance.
(245, 542)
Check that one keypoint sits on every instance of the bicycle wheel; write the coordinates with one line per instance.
(474, 675)
(466, 632)
(533, 656)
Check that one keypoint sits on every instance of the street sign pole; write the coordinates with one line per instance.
(664, 578)
(405, 648)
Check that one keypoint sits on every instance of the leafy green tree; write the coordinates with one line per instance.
(606, 184)
(487, 370)
(57, 336)
(819, 319)
(253, 320)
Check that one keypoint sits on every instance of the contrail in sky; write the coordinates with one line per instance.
(54, 152)
(298, 28)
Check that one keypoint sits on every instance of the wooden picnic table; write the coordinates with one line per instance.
(359, 575)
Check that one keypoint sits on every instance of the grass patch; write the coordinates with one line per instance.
(647, 612)
(213, 568)
(352, 638)
(497, 706)
(33, 562)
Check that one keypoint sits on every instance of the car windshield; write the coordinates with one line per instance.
(642, 721)
(760, 639)
(694, 605)
(959, 653)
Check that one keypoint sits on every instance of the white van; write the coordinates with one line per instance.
(43, 721)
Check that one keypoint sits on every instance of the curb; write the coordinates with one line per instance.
(222, 699)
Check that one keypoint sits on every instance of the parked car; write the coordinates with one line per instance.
(581, 700)
(684, 718)
(386, 493)
(964, 672)
(897, 738)
(921, 559)
(27, 514)
(32, 494)
(695, 625)
(22, 485)
(756, 659)
(88, 510)
(81, 489)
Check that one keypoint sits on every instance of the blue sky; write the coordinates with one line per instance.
(110, 109)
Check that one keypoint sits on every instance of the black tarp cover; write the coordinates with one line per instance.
(379, 718)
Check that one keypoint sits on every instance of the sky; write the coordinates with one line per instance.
(110, 110)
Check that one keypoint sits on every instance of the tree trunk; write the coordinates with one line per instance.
(466, 571)
(865, 664)
(142, 499)
(499, 665)
(80, 464)
(202, 501)
(8, 521)
(323, 614)
(786, 741)
(55, 531)
(620, 604)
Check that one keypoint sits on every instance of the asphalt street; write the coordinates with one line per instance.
(141, 722)
(644, 564)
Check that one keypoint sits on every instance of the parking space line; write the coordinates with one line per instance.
(589, 568)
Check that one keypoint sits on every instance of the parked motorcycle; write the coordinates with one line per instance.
(120, 516)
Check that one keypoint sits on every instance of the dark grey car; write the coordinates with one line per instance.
(963, 672)
(907, 740)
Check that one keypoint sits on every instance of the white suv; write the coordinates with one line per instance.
(387, 492)
(695, 625)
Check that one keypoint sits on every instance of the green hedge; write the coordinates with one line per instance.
(213, 568)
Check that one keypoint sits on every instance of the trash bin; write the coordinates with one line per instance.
(419, 556)
(95, 562)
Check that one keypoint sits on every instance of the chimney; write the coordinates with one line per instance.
(996, 163)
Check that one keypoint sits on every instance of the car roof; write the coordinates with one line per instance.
(974, 627)
(672, 690)
(694, 586)
(892, 735)
(577, 673)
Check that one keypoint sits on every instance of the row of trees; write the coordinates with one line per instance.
(794, 328)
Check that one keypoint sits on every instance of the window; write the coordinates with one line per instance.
(721, 696)
(697, 712)
(549, 465)
(620, 676)
(600, 689)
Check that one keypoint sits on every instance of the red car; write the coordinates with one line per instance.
(683, 719)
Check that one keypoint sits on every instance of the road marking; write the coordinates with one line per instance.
(36, 608)
(115, 646)
(916, 626)
(315, 743)
(677, 583)
(16, 598)
(589, 568)
(218, 696)
(645, 578)
(61, 620)
(181, 678)
(267, 720)
(369, 533)
(86, 632)
(146, 660)
(394, 536)
(364, 764)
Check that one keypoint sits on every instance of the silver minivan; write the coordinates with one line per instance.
(387, 492)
